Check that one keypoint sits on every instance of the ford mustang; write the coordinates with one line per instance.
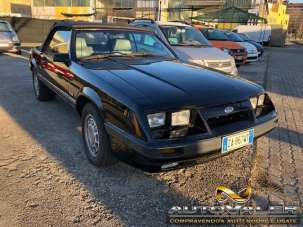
(139, 103)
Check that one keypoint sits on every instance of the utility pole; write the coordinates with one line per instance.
(160, 10)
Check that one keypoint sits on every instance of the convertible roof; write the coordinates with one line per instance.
(85, 24)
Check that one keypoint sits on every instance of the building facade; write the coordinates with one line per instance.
(295, 11)
(277, 15)
(46, 9)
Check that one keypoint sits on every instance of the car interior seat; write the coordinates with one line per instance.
(82, 50)
(122, 46)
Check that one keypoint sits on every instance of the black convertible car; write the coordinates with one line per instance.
(139, 103)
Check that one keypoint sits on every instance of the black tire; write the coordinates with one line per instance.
(101, 154)
(42, 92)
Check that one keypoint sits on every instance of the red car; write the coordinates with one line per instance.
(220, 40)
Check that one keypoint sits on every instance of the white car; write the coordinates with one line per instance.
(190, 45)
(252, 52)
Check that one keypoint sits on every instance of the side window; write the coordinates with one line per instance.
(59, 43)
(149, 40)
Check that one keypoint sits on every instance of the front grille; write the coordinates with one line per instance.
(218, 64)
(223, 120)
(238, 51)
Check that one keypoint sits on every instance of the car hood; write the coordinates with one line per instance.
(155, 84)
(204, 53)
(226, 44)
(248, 46)
(257, 45)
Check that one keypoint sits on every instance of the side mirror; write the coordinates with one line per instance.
(63, 58)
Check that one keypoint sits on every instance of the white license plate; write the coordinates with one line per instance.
(239, 57)
(237, 140)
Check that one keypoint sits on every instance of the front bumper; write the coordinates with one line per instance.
(10, 47)
(240, 59)
(170, 154)
(252, 57)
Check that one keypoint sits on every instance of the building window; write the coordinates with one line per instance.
(50, 3)
(81, 3)
(124, 3)
(147, 4)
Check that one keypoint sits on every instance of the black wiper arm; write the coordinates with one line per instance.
(95, 57)
(104, 56)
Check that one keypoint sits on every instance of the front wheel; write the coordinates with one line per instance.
(96, 140)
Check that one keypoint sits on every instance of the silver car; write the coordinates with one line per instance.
(190, 45)
(9, 41)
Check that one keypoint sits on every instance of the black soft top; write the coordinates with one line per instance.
(92, 25)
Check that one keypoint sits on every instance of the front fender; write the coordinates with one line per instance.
(92, 95)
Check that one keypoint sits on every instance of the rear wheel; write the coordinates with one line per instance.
(96, 140)
(42, 92)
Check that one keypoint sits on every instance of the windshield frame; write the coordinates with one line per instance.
(206, 43)
(78, 30)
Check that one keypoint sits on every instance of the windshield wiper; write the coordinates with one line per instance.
(104, 56)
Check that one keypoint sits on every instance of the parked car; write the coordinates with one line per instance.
(220, 40)
(252, 52)
(260, 33)
(140, 103)
(9, 41)
(259, 47)
(189, 44)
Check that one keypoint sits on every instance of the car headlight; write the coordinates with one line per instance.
(15, 39)
(257, 101)
(261, 100)
(198, 61)
(225, 50)
(180, 118)
(156, 119)
(229, 52)
(254, 102)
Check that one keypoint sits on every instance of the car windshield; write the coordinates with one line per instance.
(244, 36)
(184, 36)
(99, 44)
(216, 35)
(4, 27)
(234, 37)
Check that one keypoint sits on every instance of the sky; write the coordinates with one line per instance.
(296, 1)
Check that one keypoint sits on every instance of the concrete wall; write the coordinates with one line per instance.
(30, 30)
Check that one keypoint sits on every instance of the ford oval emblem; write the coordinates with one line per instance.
(228, 109)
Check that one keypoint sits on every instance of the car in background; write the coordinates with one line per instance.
(220, 40)
(9, 41)
(260, 33)
(139, 102)
(189, 44)
(259, 47)
(252, 52)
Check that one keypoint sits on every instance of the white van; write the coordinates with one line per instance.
(260, 33)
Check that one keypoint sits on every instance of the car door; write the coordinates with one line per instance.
(57, 72)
